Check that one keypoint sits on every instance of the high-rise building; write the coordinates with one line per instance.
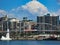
(47, 22)
(3, 23)
(59, 22)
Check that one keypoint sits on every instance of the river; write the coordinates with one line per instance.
(25, 42)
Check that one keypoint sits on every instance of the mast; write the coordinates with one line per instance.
(7, 21)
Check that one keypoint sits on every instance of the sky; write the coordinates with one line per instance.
(21, 8)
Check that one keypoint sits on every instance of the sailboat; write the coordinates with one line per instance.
(7, 36)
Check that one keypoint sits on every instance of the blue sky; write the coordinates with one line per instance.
(8, 5)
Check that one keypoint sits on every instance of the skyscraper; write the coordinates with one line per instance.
(47, 22)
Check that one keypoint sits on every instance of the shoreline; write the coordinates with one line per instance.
(32, 39)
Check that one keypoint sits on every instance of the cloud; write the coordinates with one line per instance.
(58, 1)
(30, 10)
(11, 15)
(58, 13)
(2, 12)
(35, 7)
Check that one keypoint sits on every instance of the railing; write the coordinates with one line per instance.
(33, 30)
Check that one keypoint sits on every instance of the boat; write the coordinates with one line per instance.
(7, 36)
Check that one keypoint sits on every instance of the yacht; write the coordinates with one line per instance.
(7, 36)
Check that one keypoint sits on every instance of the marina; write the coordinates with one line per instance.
(45, 26)
(29, 22)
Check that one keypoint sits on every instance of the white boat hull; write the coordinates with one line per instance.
(6, 39)
(7, 36)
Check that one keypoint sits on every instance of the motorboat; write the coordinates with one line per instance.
(7, 36)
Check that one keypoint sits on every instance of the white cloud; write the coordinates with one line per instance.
(58, 12)
(35, 7)
(53, 14)
(2, 12)
(30, 9)
(10, 15)
(13, 10)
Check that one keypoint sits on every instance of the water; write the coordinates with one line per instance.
(29, 42)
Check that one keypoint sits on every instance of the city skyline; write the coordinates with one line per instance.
(30, 20)
(23, 8)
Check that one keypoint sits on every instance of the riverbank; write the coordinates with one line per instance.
(36, 37)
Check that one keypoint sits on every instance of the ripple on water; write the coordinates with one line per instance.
(25, 42)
